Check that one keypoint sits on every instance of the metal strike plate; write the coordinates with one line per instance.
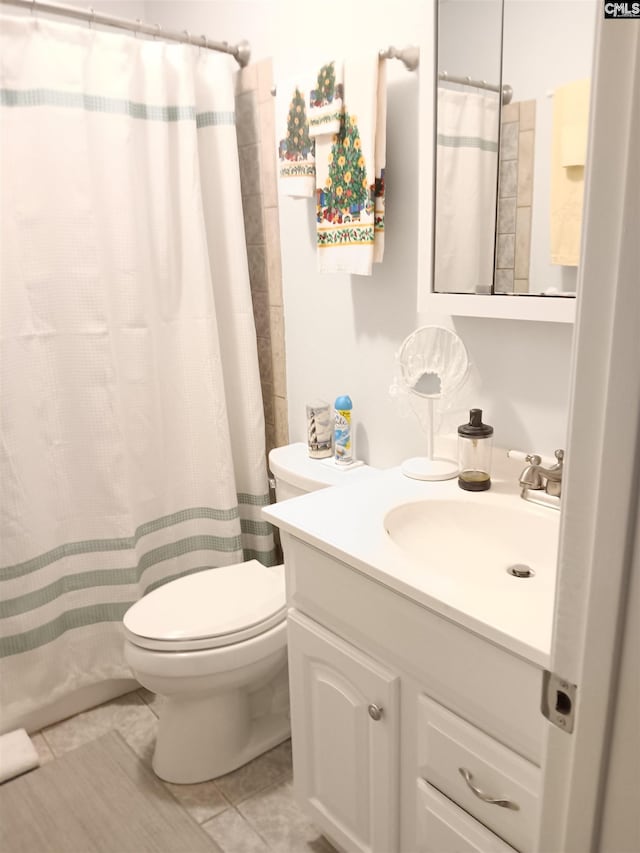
(559, 699)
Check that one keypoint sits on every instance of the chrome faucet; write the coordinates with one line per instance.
(534, 477)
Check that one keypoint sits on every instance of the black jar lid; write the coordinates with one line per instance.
(475, 428)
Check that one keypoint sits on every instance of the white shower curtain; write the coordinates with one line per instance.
(466, 191)
(133, 434)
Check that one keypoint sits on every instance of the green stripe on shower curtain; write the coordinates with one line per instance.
(130, 575)
(79, 617)
(112, 106)
(70, 549)
(92, 614)
(117, 578)
(466, 142)
(213, 119)
(253, 500)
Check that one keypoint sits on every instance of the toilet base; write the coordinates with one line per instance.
(192, 755)
(204, 735)
(221, 707)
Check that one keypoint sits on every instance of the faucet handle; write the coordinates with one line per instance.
(554, 476)
(531, 478)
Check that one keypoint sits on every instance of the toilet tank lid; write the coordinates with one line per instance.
(292, 464)
(210, 603)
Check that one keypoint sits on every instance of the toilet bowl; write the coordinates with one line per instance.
(213, 645)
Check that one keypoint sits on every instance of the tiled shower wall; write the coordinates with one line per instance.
(255, 128)
(515, 196)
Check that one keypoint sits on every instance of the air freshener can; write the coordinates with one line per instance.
(342, 440)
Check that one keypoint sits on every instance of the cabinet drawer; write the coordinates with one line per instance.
(445, 828)
(447, 745)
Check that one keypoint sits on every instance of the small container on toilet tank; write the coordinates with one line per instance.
(319, 429)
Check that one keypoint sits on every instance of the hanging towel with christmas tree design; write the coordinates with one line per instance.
(325, 100)
(350, 174)
(296, 148)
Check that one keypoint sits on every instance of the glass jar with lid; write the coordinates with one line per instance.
(475, 443)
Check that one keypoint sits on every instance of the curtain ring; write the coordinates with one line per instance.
(158, 31)
(92, 14)
(137, 27)
(204, 42)
(33, 6)
(188, 35)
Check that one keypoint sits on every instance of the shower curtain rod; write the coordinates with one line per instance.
(241, 51)
(507, 90)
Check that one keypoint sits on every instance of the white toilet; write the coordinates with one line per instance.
(213, 644)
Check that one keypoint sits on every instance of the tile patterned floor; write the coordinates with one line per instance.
(251, 810)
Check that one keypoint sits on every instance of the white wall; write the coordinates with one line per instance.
(477, 53)
(220, 20)
(342, 331)
(120, 8)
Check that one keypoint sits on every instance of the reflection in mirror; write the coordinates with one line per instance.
(510, 176)
(468, 121)
(428, 385)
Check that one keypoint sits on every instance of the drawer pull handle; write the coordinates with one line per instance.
(375, 712)
(506, 804)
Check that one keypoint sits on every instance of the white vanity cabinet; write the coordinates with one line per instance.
(392, 706)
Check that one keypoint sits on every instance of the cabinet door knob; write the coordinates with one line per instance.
(375, 712)
(493, 801)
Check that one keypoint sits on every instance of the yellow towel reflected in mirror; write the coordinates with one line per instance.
(568, 157)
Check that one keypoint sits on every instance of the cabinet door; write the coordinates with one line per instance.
(443, 827)
(345, 761)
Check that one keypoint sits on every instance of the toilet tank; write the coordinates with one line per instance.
(296, 473)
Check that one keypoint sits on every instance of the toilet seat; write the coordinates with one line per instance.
(209, 609)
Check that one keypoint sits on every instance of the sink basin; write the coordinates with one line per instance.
(481, 536)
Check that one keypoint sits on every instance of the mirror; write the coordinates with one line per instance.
(511, 130)
(433, 366)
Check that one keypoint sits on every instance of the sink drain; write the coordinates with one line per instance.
(520, 570)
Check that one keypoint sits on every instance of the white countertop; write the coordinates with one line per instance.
(347, 522)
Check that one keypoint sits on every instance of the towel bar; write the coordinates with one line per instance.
(409, 55)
